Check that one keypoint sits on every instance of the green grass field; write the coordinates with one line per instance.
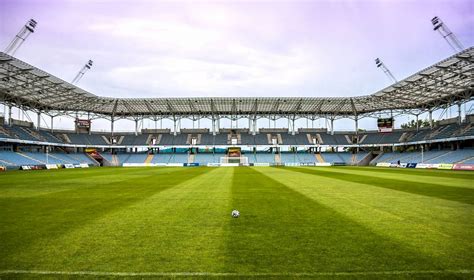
(300, 222)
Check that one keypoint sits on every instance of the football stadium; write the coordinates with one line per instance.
(237, 187)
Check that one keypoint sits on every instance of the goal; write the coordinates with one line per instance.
(239, 160)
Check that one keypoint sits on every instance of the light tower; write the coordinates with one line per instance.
(82, 72)
(449, 36)
(21, 37)
(387, 72)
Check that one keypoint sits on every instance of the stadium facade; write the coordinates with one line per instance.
(444, 84)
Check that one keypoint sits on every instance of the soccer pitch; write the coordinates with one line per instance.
(300, 222)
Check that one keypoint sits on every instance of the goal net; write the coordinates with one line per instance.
(239, 160)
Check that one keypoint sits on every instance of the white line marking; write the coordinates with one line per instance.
(249, 274)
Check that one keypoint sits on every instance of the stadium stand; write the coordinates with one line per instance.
(443, 156)
(265, 158)
(338, 139)
(306, 157)
(289, 158)
(13, 159)
(445, 141)
(205, 158)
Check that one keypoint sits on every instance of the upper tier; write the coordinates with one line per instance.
(448, 132)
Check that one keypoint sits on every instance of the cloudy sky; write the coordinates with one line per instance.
(234, 48)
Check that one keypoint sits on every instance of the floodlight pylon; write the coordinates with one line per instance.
(20, 38)
(81, 73)
(384, 68)
(448, 35)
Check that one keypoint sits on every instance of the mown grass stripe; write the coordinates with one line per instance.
(450, 174)
(281, 229)
(412, 176)
(246, 274)
(433, 227)
(71, 209)
(453, 193)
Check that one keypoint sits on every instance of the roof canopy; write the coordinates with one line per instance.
(446, 82)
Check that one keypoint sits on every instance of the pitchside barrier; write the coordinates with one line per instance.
(445, 166)
(51, 166)
(427, 165)
(160, 164)
(463, 166)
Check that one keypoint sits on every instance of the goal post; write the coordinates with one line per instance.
(239, 160)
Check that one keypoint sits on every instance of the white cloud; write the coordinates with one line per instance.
(182, 58)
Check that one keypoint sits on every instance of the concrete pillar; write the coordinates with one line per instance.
(459, 113)
(254, 131)
(38, 122)
(136, 127)
(175, 127)
(417, 126)
(112, 126)
(10, 115)
(213, 126)
(52, 124)
(250, 125)
(356, 125)
(293, 129)
(332, 126)
(430, 115)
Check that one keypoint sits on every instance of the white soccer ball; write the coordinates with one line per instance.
(235, 214)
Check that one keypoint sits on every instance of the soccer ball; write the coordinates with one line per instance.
(235, 214)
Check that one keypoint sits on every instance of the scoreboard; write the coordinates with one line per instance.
(234, 152)
(83, 125)
(385, 124)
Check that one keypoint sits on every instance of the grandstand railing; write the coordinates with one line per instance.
(42, 143)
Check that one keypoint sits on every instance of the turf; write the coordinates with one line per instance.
(299, 222)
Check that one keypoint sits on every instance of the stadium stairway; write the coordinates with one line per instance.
(319, 158)
(376, 158)
(440, 155)
(65, 137)
(105, 140)
(107, 159)
(6, 163)
(93, 160)
(466, 160)
(148, 139)
(115, 160)
(191, 158)
(58, 158)
(277, 159)
(365, 159)
(30, 158)
(149, 158)
(34, 134)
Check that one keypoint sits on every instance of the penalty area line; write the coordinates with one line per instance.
(250, 274)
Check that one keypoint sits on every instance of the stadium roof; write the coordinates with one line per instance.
(447, 82)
